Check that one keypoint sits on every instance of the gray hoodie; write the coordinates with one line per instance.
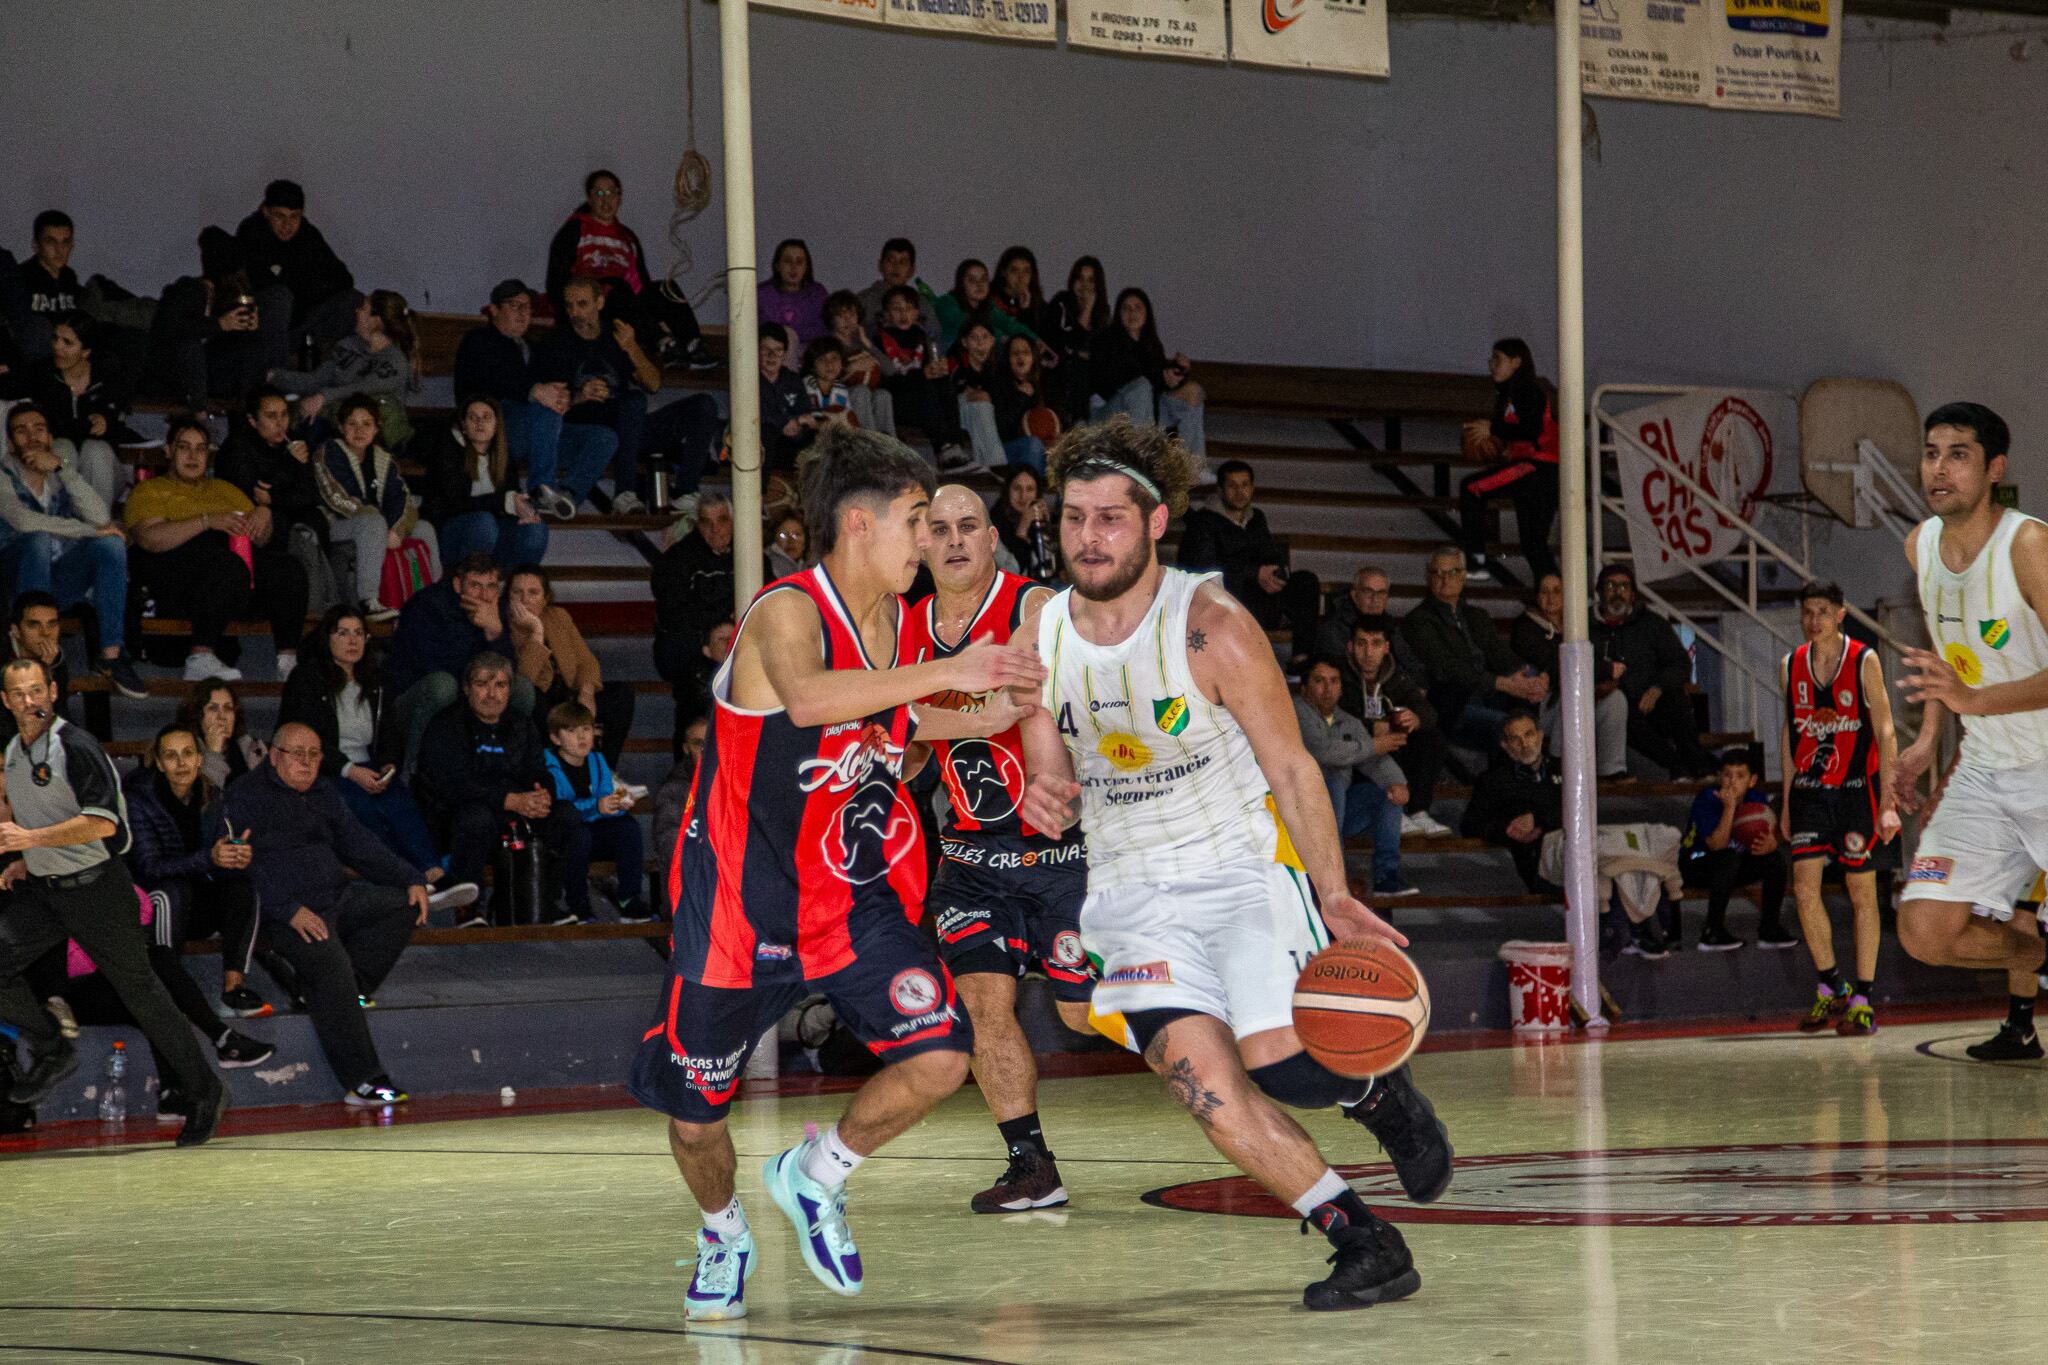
(1342, 743)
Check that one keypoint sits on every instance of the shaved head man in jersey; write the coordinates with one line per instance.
(1983, 572)
(1006, 895)
(801, 870)
(1214, 866)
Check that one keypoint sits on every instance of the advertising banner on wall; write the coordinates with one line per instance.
(1321, 35)
(867, 11)
(1647, 49)
(1782, 56)
(1731, 441)
(1028, 21)
(1159, 28)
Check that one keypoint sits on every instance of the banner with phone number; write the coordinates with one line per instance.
(1773, 56)
(1730, 441)
(1158, 28)
(1349, 36)
(1024, 21)
(863, 11)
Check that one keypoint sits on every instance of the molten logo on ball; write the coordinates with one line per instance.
(1361, 1008)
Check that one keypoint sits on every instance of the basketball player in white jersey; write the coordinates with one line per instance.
(1167, 703)
(1983, 572)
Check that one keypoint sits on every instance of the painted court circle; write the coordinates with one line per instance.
(1792, 1184)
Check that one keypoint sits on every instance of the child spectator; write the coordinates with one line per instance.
(787, 422)
(1713, 858)
(606, 829)
(914, 373)
(1025, 421)
(973, 361)
(824, 364)
(594, 244)
(1130, 372)
(970, 300)
(792, 297)
(898, 269)
(873, 408)
(1018, 292)
(368, 503)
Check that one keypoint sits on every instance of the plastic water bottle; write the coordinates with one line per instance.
(114, 1094)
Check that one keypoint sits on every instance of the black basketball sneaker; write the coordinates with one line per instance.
(1405, 1124)
(1372, 1266)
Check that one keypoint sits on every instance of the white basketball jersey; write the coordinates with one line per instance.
(1982, 625)
(1169, 787)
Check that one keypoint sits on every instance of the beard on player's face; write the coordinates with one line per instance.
(1106, 582)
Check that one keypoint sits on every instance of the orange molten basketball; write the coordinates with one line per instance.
(1479, 441)
(1361, 1008)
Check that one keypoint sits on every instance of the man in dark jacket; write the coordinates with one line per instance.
(34, 292)
(302, 288)
(481, 766)
(693, 588)
(1473, 676)
(497, 361)
(1518, 800)
(1655, 670)
(1395, 707)
(440, 630)
(1233, 537)
(334, 938)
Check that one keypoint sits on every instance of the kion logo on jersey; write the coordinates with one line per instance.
(1277, 15)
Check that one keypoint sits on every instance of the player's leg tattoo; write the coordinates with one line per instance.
(1189, 1092)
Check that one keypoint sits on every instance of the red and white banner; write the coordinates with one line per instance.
(1729, 441)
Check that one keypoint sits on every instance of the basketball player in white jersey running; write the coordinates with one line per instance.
(1167, 703)
(1983, 572)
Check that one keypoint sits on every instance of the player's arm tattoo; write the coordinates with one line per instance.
(1197, 642)
(1190, 1094)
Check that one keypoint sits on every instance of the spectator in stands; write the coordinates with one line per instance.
(204, 342)
(379, 357)
(915, 373)
(1473, 675)
(822, 369)
(1655, 672)
(334, 937)
(212, 710)
(1019, 294)
(789, 545)
(1025, 420)
(441, 629)
(471, 496)
(1537, 637)
(481, 766)
(787, 422)
(56, 536)
(791, 296)
(692, 689)
(1714, 859)
(971, 300)
(898, 270)
(35, 631)
(1073, 318)
(1025, 526)
(1370, 594)
(339, 694)
(973, 362)
(1518, 800)
(1521, 439)
(608, 376)
(1367, 787)
(86, 401)
(671, 801)
(693, 589)
(873, 406)
(594, 244)
(42, 286)
(184, 524)
(496, 361)
(302, 288)
(368, 504)
(551, 654)
(1129, 372)
(274, 469)
(1231, 535)
(605, 829)
(195, 870)
(1396, 709)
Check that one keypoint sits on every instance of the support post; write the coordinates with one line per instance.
(736, 107)
(1576, 668)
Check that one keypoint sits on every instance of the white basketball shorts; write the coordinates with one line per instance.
(1987, 840)
(1228, 943)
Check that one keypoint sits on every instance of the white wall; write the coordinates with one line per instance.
(1272, 215)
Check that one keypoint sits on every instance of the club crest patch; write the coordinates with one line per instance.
(1171, 714)
(1994, 632)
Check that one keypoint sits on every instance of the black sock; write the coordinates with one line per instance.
(2019, 1012)
(1865, 988)
(1024, 1132)
(1831, 977)
(1347, 1210)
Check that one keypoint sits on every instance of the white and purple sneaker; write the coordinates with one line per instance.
(819, 1216)
(718, 1285)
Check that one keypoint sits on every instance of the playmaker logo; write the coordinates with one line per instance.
(1278, 14)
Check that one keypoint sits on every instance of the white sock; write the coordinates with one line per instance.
(829, 1161)
(1320, 1193)
(729, 1223)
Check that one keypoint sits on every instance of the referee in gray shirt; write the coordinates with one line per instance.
(70, 826)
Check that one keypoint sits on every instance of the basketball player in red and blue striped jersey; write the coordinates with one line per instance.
(800, 868)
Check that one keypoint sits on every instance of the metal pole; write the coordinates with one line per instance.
(736, 106)
(1576, 654)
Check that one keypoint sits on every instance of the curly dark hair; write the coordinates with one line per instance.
(1100, 449)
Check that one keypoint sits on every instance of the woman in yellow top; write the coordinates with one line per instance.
(189, 532)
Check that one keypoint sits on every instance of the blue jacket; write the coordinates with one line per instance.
(601, 783)
(306, 843)
(435, 635)
(158, 854)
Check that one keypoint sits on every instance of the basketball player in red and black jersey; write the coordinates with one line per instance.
(801, 870)
(1005, 895)
(1838, 748)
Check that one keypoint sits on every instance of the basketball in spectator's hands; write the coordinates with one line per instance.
(1480, 441)
(1753, 825)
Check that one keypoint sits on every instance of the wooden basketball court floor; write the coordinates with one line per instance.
(1733, 1197)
